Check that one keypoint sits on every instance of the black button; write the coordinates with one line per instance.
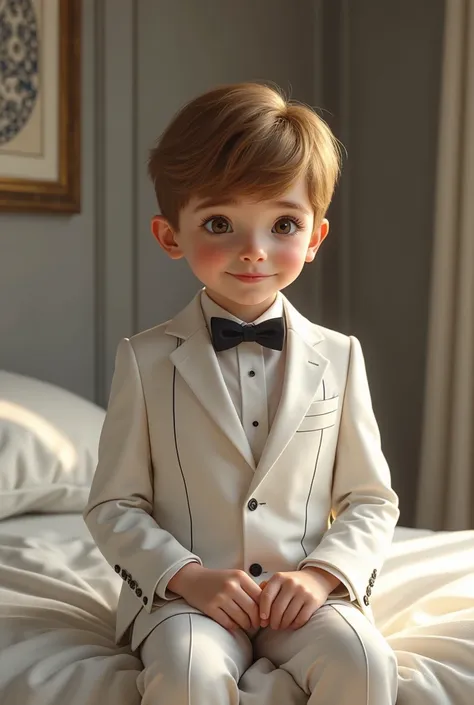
(117, 568)
(366, 601)
(371, 582)
(252, 373)
(255, 570)
(368, 592)
(252, 504)
(124, 574)
(254, 423)
(145, 600)
(133, 584)
(139, 592)
(374, 573)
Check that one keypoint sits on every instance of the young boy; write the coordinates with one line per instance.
(241, 491)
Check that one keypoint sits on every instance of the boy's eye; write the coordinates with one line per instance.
(217, 225)
(285, 226)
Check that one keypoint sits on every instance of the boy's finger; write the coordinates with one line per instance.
(252, 589)
(269, 594)
(262, 587)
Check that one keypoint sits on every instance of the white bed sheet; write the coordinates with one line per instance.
(70, 526)
(57, 617)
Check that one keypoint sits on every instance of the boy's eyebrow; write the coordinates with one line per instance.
(288, 205)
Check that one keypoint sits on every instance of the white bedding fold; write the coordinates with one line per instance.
(57, 625)
(424, 605)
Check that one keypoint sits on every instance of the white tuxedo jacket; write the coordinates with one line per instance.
(176, 478)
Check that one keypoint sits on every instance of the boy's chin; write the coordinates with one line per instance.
(251, 298)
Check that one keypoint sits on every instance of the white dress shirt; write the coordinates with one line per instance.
(253, 375)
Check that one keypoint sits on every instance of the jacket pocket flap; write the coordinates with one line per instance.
(321, 414)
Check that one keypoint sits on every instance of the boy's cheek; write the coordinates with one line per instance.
(291, 259)
(210, 256)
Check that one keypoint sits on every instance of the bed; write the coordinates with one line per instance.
(58, 595)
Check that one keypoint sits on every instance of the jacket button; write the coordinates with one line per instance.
(374, 573)
(117, 568)
(256, 570)
(368, 592)
(253, 504)
(124, 574)
(366, 601)
(371, 582)
(139, 592)
(133, 584)
(145, 600)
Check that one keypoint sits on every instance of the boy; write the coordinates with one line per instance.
(241, 491)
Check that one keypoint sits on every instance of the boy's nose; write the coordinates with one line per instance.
(257, 256)
(252, 251)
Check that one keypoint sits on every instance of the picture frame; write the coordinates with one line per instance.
(40, 112)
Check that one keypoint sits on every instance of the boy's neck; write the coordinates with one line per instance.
(240, 311)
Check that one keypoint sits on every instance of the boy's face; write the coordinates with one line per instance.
(245, 251)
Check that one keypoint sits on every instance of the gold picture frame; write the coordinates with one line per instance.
(57, 77)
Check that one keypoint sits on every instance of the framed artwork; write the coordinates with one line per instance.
(40, 105)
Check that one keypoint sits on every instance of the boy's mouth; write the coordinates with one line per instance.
(250, 277)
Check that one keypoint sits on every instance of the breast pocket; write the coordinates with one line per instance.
(321, 414)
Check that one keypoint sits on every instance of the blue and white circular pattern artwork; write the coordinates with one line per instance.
(19, 76)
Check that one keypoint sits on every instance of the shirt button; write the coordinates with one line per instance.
(252, 504)
(252, 373)
(255, 570)
(255, 423)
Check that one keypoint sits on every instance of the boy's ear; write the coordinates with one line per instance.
(316, 239)
(165, 235)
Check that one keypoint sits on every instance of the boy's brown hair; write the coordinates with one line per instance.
(243, 140)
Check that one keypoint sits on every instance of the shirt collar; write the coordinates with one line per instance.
(211, 309)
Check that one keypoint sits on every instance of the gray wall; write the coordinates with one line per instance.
(376, 268)
(71, 287)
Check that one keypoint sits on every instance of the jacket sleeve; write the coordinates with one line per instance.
(119, 510)
(364, 506)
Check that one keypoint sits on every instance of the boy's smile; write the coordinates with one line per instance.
(252, 278)
(244, 251)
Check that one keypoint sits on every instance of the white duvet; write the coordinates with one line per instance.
(57, 601)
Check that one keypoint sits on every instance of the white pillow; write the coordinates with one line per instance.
(48, 447)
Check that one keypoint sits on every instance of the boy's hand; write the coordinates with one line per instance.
(229, 597)
(290, 599)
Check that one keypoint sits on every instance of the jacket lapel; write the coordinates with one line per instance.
(196, 362)
(304, 371)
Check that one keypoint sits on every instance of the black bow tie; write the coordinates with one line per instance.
(228, 334)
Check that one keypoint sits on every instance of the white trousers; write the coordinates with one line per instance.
(337, 658)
